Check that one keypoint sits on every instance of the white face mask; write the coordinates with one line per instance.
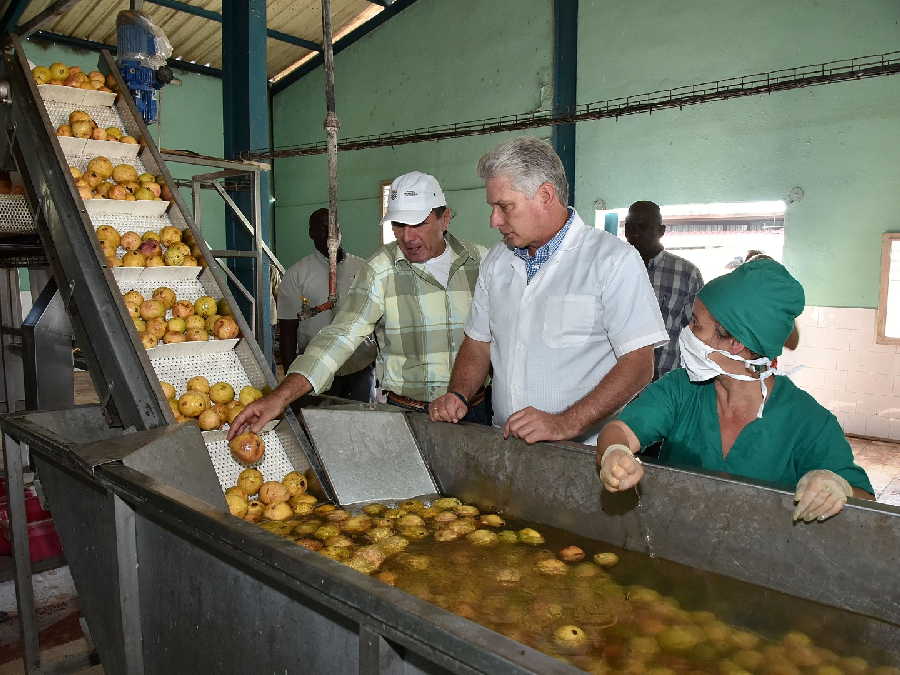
(695, 360)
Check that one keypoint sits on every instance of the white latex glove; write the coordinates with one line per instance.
(820, 494)
(619, 468)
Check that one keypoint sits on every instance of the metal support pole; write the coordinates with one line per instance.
(14, 455)
(332, 124)
(10, 339)
(246, 121)
(565, 83)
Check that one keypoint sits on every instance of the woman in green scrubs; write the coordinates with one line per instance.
(727, 410)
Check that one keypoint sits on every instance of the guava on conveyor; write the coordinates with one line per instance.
(310, 544)
(293, 481)
(414, 533)
(377, 534)
(250, 480)
(679, 638)
(467, 511)
(412, 506)
(374, 510)
(357, 524)
(507, 537)
(237, 505)
(278, 511)
(255, 510)
(308, 527)
(570, 639)
(551, 567)
(337, 516)
(530, 536)
(606, 559)
(446, 534)
(326, 532)
(571, 554)
(393, 544)
(445, 503)
(492, 520)
(483, 538)
(337, 553)
(248, 448)
(463, 526)
(303, 499)
(410, 520)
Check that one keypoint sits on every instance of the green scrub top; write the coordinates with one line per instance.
(794, 435)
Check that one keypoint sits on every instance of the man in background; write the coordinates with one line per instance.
(308, 278)
(675, 281)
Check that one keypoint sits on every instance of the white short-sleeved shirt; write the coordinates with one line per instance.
(554, 339)
(308, 277)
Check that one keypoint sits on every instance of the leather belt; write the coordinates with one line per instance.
(422, 406)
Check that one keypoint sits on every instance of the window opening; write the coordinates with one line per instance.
(716, 237)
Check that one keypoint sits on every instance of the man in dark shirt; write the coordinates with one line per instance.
(675, 281)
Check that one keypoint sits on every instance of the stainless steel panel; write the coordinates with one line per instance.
(368, 455)
(715, 523)
(84, 517)
(48, 362)
(203, 615)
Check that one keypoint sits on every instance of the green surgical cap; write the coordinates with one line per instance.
(757, 303)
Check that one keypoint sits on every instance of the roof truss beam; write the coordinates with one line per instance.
(215, 16)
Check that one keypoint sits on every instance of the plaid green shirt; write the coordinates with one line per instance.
(418, 323)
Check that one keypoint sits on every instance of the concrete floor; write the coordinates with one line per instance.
(57, 600)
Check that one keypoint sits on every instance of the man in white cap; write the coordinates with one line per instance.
(415, 293)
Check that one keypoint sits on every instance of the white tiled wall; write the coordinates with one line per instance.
(846, 371)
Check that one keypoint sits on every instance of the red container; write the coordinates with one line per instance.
(43, 541)
(33, 509)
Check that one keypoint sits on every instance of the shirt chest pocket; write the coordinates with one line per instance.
(570, 320)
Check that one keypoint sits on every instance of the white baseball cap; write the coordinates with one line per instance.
(412, 197)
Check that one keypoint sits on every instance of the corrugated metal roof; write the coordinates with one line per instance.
(199, 39)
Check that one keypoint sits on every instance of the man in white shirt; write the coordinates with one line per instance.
(563, 312)
(308, 278)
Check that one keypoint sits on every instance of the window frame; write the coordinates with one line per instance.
(881, 313)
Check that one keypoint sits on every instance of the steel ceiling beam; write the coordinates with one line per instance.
(52, 12)
(79, 43)
(215, 16)
(11, 16)
(391, 10)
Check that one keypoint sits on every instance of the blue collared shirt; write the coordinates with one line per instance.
(543, 254)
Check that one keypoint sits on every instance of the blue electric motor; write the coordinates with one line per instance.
(142, 53)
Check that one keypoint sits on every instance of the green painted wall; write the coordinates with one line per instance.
(435, 62)
(832, 141)
(441, 61)
(191, 119)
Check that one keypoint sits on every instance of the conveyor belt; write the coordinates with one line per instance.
(125, 375)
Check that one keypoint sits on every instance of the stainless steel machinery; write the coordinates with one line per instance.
(170, 583)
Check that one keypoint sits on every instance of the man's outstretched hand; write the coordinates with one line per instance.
(256, 415)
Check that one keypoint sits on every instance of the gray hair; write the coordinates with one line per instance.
(528, 163)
